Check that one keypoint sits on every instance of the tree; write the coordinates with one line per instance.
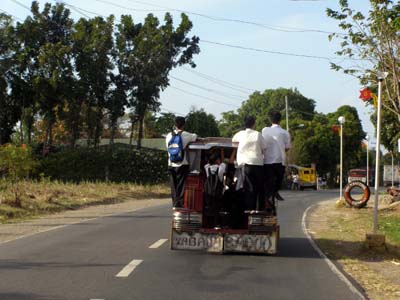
(93, 46)
(164, 124)
(371, 45)
(146, 54)
(54, 79)
(202, 123)
(10, 109)
(229, 124)
(260, 104)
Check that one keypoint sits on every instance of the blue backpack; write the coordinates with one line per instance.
(175, 148)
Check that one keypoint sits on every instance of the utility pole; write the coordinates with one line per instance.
(287, 113)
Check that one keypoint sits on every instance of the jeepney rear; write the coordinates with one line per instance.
(239, 231)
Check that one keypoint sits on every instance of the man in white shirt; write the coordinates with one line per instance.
(278, 140)
(179, 170)
(250, 157)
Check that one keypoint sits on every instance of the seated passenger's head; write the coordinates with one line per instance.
(249, 122)
(180, 123)
(214, 159)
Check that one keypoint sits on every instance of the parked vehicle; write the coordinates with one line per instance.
(193, 226)
(306, 176)
(388, 177)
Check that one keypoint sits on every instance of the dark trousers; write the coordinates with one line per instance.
(254, 187)
(178, 177)
(273, 174)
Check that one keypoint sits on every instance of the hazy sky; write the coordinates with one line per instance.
(248, 69)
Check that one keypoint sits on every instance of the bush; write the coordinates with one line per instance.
(144, 166)
(16, 163)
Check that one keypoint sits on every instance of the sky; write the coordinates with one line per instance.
(247, 70)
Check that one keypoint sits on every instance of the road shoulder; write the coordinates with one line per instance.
(340, 234)
(14, 231)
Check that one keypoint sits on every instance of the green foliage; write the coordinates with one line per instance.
(202, 123)
(164, 124)
(260, 104)
(16, 162)
(121, 164)
(146, 54)
(372, 39)
(229, 124)
(10, 108)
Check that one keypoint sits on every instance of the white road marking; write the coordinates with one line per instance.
(326, 259)
(158, 243)
(96, 299)
(128, 269)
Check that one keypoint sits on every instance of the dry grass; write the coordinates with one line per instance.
(340, 232)
(38, 198)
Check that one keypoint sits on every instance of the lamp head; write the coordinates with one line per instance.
(382, 75)
(341, 119)
(367, 137)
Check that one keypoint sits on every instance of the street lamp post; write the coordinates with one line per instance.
(381, 77)
(341, 120)
(367, 160)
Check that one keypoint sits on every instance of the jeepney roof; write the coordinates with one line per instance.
(210, 142)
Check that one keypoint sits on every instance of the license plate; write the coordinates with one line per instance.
(197, 241)
(252, 243)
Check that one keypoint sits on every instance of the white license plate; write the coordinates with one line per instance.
(197, 241)
(252, 243)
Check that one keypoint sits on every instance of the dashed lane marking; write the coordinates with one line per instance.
(128, 269)
(158, 243)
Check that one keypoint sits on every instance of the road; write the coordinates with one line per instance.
(109, 258)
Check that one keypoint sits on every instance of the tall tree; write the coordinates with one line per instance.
(54, 80)
(372, 45)
(147, 53)
(93, 45)
(202, 123)
(229, 124)
(10, 110)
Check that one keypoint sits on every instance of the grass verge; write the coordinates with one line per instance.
(45, 197)
(340, 233)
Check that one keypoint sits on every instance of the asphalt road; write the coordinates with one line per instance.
(109, 258)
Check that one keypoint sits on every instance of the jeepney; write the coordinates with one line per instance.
(240, 231)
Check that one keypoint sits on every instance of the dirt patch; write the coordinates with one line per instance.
(340, 233)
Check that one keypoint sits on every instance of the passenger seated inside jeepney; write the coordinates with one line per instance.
(223, 205)
(214, 187)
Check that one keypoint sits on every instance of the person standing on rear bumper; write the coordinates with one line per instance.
(275, 157)
(179, 171)
(250, 156)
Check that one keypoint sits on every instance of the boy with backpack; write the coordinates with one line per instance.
(178, 165)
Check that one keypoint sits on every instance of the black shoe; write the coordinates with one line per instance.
(278, 197)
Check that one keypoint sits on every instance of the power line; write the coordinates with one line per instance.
(129, 8)
(7, 13)
(21, 4)
(204, 97)
(223, 19)
(220, 81)
(267, 51)
(208, 89)
(76, 9)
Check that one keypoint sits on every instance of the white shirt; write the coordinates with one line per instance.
(187, 138)
(251, 147)
(273, 153)
(282, 137)
(213, 168)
